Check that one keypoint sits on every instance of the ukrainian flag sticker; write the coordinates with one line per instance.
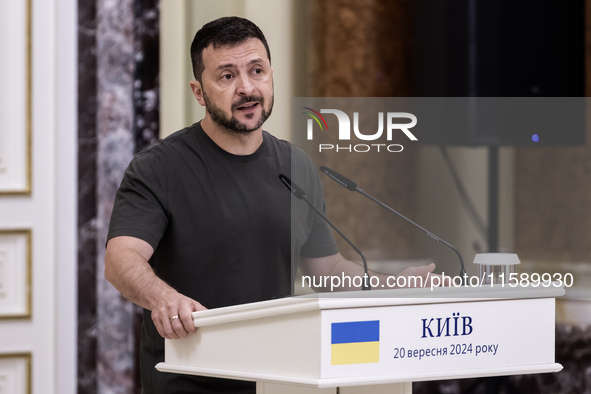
(356, 342)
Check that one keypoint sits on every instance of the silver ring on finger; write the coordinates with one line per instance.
(174, 317)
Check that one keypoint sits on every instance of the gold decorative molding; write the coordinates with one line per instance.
(18, 304)
(27, 162)
(19, 362)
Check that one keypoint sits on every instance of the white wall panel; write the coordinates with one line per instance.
(15, 373)
(38, 101)
(14, 97)
(15, 271)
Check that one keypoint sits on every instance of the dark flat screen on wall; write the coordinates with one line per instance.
(502, 48)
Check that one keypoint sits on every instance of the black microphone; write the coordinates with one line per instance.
(349, 184)
(300, 195)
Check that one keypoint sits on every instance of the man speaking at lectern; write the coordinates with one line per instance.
(201, 219)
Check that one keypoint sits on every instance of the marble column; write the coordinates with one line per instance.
(146, 96)
(118, 115)
(115, 146)
(87, 201)
(363, 48)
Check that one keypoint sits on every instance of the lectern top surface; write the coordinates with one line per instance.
(366, 299)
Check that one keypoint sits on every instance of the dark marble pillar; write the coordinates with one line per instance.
(115, 143)
(146, 86)
(363, 48)
(118, 115)
(87, 201)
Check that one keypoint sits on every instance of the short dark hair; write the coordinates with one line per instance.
(226, 31)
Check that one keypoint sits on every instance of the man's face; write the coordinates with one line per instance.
(237, 86)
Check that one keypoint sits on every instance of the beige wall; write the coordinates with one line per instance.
(442, 212)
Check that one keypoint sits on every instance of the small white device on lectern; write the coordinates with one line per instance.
(496, 268)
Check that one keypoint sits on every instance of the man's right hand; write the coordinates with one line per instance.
(127, 268)
(173, 317)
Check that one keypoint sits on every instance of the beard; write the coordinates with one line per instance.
(232, 124)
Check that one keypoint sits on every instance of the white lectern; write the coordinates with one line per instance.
(386, 338)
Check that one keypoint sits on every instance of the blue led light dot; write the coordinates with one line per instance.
(535, 138)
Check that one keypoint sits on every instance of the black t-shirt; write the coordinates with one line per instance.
(222, 226)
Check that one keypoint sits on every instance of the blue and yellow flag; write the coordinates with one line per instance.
(355, 342)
